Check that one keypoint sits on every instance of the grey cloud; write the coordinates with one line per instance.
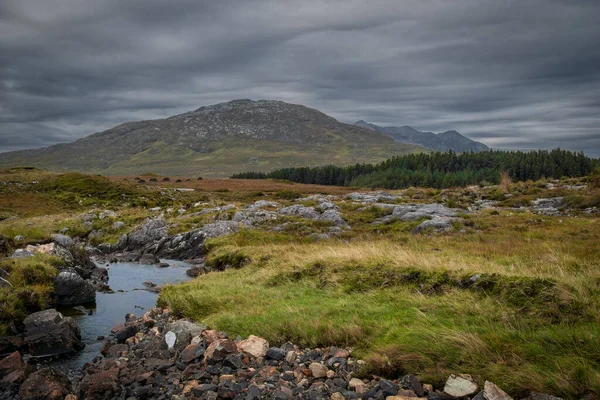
(513, 74)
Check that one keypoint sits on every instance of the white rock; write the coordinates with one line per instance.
(254, 345)
(170, 339)
(493, 392)
(460, 385)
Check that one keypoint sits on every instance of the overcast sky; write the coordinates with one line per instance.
(512, 74)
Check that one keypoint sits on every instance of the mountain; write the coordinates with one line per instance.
(217, 140)
(450, 140)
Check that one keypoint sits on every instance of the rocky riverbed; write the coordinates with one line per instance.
(157, 356)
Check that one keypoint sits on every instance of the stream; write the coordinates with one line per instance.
(130, 296)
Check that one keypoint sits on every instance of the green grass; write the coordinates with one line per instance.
(529, 323)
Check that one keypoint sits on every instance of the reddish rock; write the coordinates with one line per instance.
(192, 352)
(210, 336)
(219, 349)
(11, 363)
(46, 384)
(101, 385)
(254, 346)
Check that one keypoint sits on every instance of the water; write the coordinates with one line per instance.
(110, 308)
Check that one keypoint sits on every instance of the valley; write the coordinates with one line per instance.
(499, 282)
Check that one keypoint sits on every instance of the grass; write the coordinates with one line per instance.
(32, 284)
(404, 302)
(530, 322)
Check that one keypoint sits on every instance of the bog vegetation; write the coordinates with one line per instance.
(507, 295)
(442, 170)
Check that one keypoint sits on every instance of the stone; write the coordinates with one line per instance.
(254, 346)
(100, 385)
(46, 384)
(149, 259)
(192, 352)
(185, 331)
(493, 392)
(170, 339)
(124, 332)
(147, 234)
(219, 350)
(11, 363)
(49, 333)
(318, 370)
(438, 224)
(10, 344)
(337, 396)
(211, 335)
(460, 385)
(70, 289)
(388, 388)
(411, 382)
(62, 240)
(275, 353)
(19, 238)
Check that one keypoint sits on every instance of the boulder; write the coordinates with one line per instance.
(184, 332)
(49, 333)
(10, 344)
(192, 352)
(149, 259)
(460, 385)
(46, 384)
(254, 346)
(147, 234)
(541, 396)
(438, 224)
(11, 363)
(70, 289)
(62, 240)
(301, 211)
(100, 385)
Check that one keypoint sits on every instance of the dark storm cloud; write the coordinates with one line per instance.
(513, 74)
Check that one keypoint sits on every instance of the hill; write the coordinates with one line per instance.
(449, 140)
(217, 140)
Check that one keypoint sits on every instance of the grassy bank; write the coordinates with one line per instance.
(529, 322)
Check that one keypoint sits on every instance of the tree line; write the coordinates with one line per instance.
(441, 170)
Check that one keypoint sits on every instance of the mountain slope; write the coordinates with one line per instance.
(450, 140)
(218, 140)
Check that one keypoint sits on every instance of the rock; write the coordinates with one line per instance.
(493, 392)
(49, 333)
(170, 339)
(147, 234)
(254, 346)
(195, 271)
(460, 385)
(275, 353)
(46, 384)
(318, 370)
(10, 344)
(106, 214)
(62, 240)
(19, 238)
(149, 259)
(373, 197)
(118, 225)
(219, 350)
(11, 363)
(211, 335)
(301, 211)
(263, 204)
(439, 224)
(549, 206)
(185, 331)
(71, 289)
(388, 388)
(124, 332)
(100, 385)
(411, 382)
(192, 352)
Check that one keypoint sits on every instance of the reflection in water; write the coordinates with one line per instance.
(110, 308)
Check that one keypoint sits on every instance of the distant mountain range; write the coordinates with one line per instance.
(449, 140)
(218, 140)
